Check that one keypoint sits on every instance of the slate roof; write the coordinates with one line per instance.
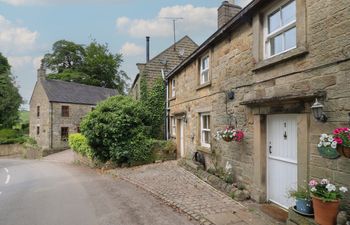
(70, 92)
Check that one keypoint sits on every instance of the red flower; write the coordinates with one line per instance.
(338, 140)
(337, 131)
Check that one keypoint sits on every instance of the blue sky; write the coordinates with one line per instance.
(28, 28)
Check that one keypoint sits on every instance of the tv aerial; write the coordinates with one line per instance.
(174, 19)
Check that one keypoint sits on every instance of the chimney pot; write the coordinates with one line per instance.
(226, 12)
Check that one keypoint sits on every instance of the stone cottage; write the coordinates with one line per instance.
(57, 108)
(163, 62)
(261, 72)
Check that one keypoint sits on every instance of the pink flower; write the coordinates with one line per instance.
(338, 140)
(337, 131)
(313, 183)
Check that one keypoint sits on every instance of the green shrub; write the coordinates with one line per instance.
(79, 144)
(117, 130)
(10, 136)
(163, 150)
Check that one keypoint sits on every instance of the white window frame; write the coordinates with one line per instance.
(203, 130)
(282, 30)
(202, 71)
(173, 88)
(173, 126)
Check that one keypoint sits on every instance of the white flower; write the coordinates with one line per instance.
(324, 135)
(321, 139)
(324, 181)
(313, 189)
(330, 139)
(334, 144)
(319, 145)
(343, 189)
(330, 187)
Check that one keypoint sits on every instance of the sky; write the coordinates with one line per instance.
(28, 28)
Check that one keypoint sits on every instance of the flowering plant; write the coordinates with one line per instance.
(327, 140)
(342, 136)
(230, 134)
(325, 190)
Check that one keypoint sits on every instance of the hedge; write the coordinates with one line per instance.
(79, 144)
(10, 136)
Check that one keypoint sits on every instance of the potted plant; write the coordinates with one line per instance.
(327, 147)
(230, 134)
(325, 199)
(342, 137)
(303, 200)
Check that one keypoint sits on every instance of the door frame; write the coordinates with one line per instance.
(267, 155)
(259, 192)
(180, 128)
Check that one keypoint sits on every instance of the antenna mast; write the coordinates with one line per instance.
(174, 19)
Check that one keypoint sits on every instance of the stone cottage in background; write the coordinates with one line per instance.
(57, 108)
(261, 72)
(164, 62)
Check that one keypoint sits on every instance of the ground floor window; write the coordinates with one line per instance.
(37, 130)
(205, 129)
(64, 133)
(173, 126)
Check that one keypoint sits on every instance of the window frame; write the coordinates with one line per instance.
(38, 111)
(267, 37)
(173, 126)
(173, 88)
(65, 111)
(203, 130)
(64, 138)
(202, 71)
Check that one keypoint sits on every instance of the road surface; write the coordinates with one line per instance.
(48, 193)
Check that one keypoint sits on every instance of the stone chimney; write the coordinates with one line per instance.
(226, 12)
(41, 72)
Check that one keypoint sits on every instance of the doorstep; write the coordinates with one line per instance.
(297, 219)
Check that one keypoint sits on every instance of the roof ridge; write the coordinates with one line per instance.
(76, 83)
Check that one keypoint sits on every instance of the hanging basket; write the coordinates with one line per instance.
(344, 150)
(328, 152)
(227, 139)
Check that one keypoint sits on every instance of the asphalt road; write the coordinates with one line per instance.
(48, 193)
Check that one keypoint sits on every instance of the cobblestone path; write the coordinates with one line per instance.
(183, 190)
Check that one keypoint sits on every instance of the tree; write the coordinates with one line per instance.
(93, 65)
(10, 100)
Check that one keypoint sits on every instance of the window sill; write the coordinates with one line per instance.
(297, 52)
(172, 98)
(204, 149)
(208, 84)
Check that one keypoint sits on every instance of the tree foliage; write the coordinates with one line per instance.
(93, 64)
(10, 99)
(118, 130)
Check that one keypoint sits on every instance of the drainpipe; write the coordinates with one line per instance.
(51, 125)
(166, 116)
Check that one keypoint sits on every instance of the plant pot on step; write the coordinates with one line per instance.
(304, 206)
(325, 211)
(344, 150)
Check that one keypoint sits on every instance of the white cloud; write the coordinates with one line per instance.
(131, 49)
(14, 38)
(195, 20)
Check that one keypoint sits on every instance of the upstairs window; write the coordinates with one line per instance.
(38, 111)
(65, 111)
(173, 91)
(64, 133)
(205, 129)
(280, 29)
(204, 70)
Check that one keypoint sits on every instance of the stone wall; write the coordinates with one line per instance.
(11, 149)
(39, 98)
(289, 83)
(76, 114)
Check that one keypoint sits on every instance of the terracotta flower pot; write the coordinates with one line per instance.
(325, 212)
(344, 151)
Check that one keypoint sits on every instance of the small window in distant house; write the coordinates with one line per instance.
(38, 111)
(78, 129)
(204, 70)
(280, 29)
(173, 126)
(65, 111)
(92, 108)
(173, 90)
(205, 129)
(37, 130)
(64, 133)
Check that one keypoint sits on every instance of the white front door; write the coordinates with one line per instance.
(182, 142)
(281, 158)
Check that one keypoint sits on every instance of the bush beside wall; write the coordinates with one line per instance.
(79, 144)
